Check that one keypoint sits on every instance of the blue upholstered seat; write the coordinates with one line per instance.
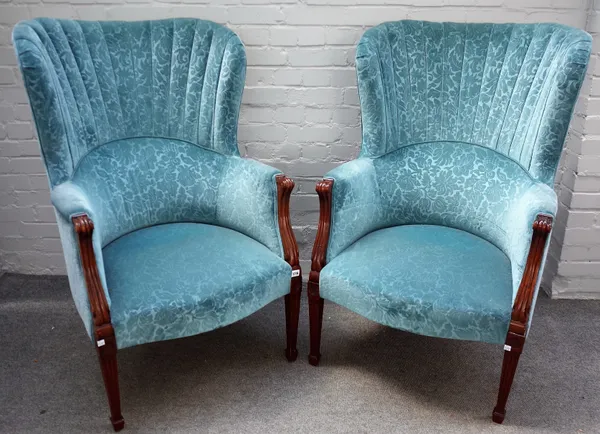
(181, 279)
(138, 127)
(463, 126)
(431, 280)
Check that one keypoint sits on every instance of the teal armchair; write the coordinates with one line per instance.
(166, 231)
(441, 225)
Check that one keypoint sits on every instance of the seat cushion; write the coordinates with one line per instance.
(181, 279)
(430, 280)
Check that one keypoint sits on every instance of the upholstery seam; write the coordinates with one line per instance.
(170, 77)
(112, 68)
(512, 93)
(442, 93)
(409, 78)
(551, 83)
(60, 60)
(87, 46)
(426, 82)
(57, 87)
(45, 61)
(487, 51)
(458, 142)
(384, 93)
(540, 104)
(210, 49)
(187, 82)
(141, 137)
(82, 81)
(498, 82)
(152, 73)
(566, 49)
(214, 120)
(527, 97)
(462, 77)
(134, 74)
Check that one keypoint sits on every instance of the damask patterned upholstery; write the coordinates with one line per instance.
(463, 127)
(137, 123)
(432, 280)
(220, 277)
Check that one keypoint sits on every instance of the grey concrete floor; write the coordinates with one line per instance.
(372, 379)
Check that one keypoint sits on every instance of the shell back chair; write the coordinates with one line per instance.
(166, 231)
(441, 225)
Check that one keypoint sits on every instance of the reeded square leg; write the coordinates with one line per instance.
(315, 310)
(292, 316)
(512, 352)
(106, 345)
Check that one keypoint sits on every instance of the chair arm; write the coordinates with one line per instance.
(254, 200)
(528, 224)
(517, 224)
(356, 207)
(70, 200)
(82, 245)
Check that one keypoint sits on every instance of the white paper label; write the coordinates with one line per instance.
(101, 343)
(507, 348)
(295, 273)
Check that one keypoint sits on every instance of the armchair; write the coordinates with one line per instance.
(166, 231)
(441, 225)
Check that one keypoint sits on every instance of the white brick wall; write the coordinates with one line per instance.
(300, 110)
(574, 260)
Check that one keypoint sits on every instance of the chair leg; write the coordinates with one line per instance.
(106, 344)
(292, 315)
(512, 352)
(315, 309)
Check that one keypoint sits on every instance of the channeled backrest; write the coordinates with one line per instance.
(91, 83)
(509, 87)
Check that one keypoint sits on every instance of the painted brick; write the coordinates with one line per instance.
(289, 115)
(293, 36)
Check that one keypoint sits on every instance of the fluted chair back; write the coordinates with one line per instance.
(140, 115)
(508, 87)
(93, 83)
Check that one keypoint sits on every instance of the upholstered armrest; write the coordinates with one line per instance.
(527, 239)
(70, 200)
(517, 223)
(356, 204)
(71, 204)
(247, 201)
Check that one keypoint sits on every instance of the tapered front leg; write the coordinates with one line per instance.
(292, 316)
(517, 329)
(106, 345)
(512, 352)
(104, 334)
(315, 310)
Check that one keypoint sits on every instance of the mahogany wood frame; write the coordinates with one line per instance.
(285, 186)
(515, 338)
(517, 330)
(319, 259)
(104, 334)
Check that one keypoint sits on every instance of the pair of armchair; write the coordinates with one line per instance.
(440, 227)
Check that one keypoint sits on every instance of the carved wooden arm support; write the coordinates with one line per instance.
(84, 227)
(319, 253)
(290, 248)
(104, 333)
(520, 314)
